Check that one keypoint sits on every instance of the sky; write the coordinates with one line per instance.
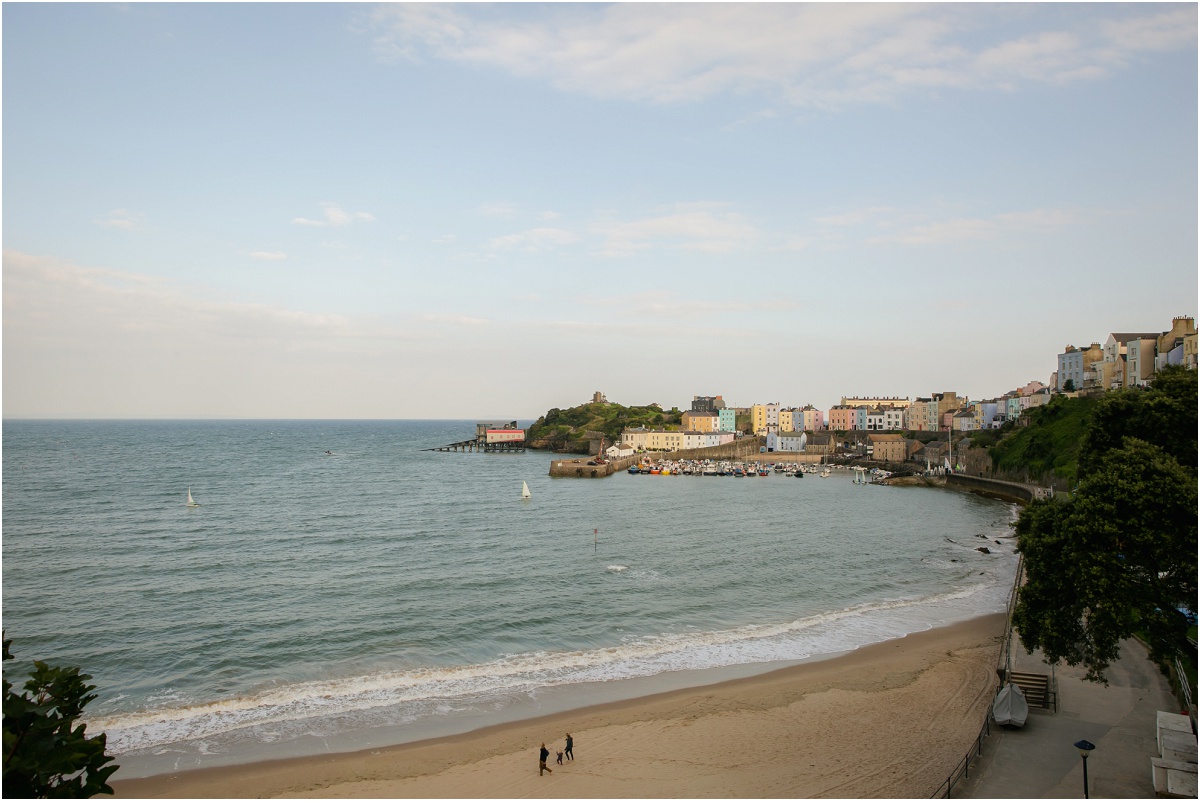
(453, 211)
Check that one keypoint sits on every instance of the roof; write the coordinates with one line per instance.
(885, 437)
(1127, 337)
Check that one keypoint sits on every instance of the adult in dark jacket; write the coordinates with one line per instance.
(569, 752)
(542, 757)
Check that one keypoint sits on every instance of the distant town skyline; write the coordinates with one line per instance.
(335, 210)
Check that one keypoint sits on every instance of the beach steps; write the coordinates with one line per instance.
(1035, 686)
(1174, 769)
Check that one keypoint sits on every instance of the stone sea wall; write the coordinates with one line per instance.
(1024, 493)
(746, 449)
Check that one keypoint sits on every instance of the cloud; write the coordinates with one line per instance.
(700, 226)
(123, 219)
(502, 210)
(659, 304)
(268, 255)
(335, 216)
(453, 319)
(823, 55)
(534, 240)
(974, 229)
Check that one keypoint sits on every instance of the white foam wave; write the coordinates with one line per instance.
(440, 690)
(617, 568)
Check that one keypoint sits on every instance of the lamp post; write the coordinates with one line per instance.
(1085, 748)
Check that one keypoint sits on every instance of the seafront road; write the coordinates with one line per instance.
(1040, 760)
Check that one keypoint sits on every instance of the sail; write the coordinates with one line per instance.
(191, 502)
(525, 490)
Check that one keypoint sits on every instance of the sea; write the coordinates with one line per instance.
(341, 587)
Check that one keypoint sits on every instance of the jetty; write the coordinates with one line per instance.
(491, 438)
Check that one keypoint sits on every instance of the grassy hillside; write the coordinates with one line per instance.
(571, 429)
(1049, 444)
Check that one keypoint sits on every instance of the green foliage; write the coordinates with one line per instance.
(570, 429)
(1118, 556)
(1050, 443)
(46, 755)
(1165, 414)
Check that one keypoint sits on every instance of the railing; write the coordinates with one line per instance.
(963, 769)
(1186, 689)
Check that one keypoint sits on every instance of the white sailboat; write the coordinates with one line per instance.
(190, 502)
(525, 491)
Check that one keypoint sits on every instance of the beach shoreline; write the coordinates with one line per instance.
(889, 719)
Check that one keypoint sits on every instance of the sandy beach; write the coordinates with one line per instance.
(888, 720)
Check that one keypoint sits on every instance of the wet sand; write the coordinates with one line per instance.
(890, 720)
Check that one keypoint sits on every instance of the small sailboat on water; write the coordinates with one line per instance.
(190, 502)
(525, 494)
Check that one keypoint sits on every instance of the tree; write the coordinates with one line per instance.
(1117, 557)
(45, 754)
(1164, 414)
(1069, 385)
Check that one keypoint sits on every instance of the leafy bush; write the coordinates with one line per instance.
(45, 754)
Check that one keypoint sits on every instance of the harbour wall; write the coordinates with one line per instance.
(746, 449)
(1023, 493)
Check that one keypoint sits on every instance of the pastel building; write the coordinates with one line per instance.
(814, 419)
(727, 420)
(701, 421)
(842, 418)
(1074, 364)
(787, 441)
(764, 417)
(786, 420)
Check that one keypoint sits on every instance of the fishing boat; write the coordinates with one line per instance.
(525, 491)
(190, 502)
(633, 470)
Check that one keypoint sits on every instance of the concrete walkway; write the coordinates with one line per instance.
(1040, 760)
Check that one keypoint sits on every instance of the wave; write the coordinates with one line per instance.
(403, 695)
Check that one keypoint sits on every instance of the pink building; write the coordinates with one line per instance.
(842, 418)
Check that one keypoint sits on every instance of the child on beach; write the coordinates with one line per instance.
(559, 756)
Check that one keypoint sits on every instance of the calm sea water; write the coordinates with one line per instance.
(385, 593)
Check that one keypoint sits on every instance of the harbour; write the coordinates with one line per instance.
(384, 593)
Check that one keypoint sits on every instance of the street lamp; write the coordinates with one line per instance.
(1085, 748)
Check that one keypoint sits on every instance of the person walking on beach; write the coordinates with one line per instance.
(542, 757)
(568, 752)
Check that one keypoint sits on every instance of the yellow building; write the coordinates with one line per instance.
(787, 421)
(701, 421)
(758, 419)
(664, 441)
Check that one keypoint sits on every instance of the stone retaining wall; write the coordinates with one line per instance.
(1024, 493)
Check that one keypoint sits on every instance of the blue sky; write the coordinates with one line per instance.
(393, 211)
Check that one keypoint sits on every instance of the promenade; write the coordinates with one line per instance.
(1040, 760)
